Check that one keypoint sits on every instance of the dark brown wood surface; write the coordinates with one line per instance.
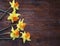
(43, 19)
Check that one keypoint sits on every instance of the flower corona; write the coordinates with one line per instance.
(19, 30)
(14, 5)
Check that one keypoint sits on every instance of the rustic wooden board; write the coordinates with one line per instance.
(43, 19)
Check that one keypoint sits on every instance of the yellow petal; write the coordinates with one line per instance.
(14, 34)
(12, 29)
(14, 4)
(21, 25)
(24, 40)
(13, 16)
(26, 37)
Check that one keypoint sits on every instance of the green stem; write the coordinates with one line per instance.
(4, 13)
(7, 27)
(5, 33)
(5, 38)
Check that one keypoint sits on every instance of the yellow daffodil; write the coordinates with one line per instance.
(25, 36)
(14, 33)
(21, 25)
(14, 4)
(13, 16)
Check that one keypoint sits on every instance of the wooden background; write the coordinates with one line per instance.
(43, 19)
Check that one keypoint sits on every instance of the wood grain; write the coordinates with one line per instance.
(43, 19)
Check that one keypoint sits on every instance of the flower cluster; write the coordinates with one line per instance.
(13, 17)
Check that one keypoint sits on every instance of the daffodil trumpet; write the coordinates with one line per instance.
(13, 16)
(19, 30)
(21, 25)
(25, 36)
(14, 33)
(14, 5)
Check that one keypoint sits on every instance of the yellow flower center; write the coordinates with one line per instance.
(27, 35)
(15, 18)
(16, 33)
(16, 4)
(22, 25)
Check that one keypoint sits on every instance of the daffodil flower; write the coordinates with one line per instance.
(13, 16)
(14, 33)
(21, 25)
(25, 36)
(14, 4)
